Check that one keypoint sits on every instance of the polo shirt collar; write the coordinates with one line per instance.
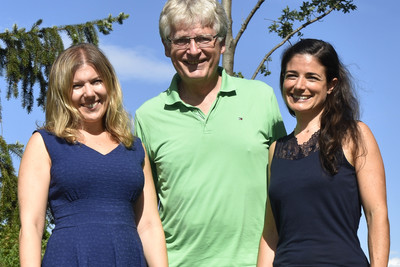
(172, 95)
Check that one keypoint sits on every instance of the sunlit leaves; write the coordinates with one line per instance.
(308, 10)
(293, 21)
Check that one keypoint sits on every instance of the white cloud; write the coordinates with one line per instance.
(138, 64)
(394, 262)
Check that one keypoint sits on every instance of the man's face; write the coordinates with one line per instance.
(194, 63)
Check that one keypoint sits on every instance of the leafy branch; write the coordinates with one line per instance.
(310, 12)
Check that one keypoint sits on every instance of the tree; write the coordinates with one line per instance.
(25, 60)
(9, 219)
(290, 23)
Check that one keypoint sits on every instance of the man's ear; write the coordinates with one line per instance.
(167, 48)
(332, 85)
(222, 44)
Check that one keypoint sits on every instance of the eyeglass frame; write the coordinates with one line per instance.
(186, 46)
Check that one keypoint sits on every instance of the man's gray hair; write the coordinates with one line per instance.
(188, 13)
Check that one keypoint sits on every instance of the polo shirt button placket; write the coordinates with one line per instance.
(199, 114)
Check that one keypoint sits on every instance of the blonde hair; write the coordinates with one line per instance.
(62, 118)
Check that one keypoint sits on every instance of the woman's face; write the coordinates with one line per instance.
(89, 95)
(305, 86)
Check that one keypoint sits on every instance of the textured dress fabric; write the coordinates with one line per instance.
(91, 198)
(316, 214)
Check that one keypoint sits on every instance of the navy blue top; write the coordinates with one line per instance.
(91, 197)
(316, 214)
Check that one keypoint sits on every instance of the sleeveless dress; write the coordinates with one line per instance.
(316, 214)
(91, 198)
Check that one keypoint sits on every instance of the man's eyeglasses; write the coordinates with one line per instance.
(202, 41)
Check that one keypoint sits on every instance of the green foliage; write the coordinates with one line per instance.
(292, 21)
(9, 247)
(238, 74)
(9, 214)
(305, 13)
(27, 56)
(8, 180)
(265, 69)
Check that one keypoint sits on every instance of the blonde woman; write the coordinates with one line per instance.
(94, 174)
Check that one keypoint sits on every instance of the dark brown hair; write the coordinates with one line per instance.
(341, 112)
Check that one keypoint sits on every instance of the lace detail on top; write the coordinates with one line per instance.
(288, 148)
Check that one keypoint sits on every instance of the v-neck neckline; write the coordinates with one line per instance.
(98, 152)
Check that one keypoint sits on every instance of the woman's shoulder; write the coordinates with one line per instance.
(36, 144)
(39, 136)
(48, 135)
(364, 129)
(137, 145)
(365, 140)
(41, 131)
(36, 138)
(364, 134)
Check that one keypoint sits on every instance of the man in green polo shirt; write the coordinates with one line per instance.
(207, 137)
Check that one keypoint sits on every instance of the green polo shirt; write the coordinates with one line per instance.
(210, 170)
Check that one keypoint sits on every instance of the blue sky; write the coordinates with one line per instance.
(366, 40)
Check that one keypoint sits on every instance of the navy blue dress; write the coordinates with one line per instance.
(91, 197)
(316, 214)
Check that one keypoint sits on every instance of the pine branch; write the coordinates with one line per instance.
(27, 56)
(104, 25)
(17, 149)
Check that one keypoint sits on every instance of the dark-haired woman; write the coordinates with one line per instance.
(324, 172)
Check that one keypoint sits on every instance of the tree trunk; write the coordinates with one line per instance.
(230, 46)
